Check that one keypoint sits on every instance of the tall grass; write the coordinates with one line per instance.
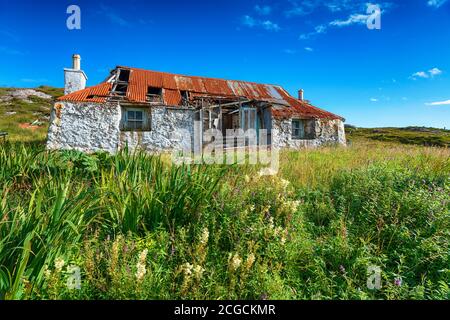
(141, 228)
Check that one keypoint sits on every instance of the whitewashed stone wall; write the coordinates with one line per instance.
(326, 132)
(86, 127)
(91, 127)
(170, 129)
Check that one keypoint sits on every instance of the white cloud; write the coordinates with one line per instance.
(317, 30)
(11, 51)
(420, 74)
(435, 72)
(374, 99)
(289, 51)
(426, 74)
(248, 21)
(438, 103)
(267, 24)
(263, 10)
(309, 49)
(436, 3)
(353, 19)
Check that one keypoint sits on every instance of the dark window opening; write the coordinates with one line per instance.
(121, 89)
(124, 75)
(154, 94)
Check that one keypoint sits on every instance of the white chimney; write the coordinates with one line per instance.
(75, 78)
(300, 94)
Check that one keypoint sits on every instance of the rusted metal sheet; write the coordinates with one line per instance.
(97, 93)
(172, 97)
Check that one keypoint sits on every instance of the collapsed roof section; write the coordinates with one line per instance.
(150, 87)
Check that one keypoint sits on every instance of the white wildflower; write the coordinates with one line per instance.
(205, 236)
(141, 271)
(143, 256)
(250, 260)
(59, 264)
(235, 262)
(187, 269)
(198, 271)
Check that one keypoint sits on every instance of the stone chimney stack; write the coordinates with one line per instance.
(75, 78)
(300, 94)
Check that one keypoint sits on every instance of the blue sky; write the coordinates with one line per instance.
(396, 76)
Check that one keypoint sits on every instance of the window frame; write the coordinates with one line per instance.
(298, 136)
(145, 121)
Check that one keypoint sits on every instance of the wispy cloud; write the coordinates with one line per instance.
(11, 51)
(438, 103)
(9, 35)
(373, 99)
(309, 49)
(353, 19)
(113, 16)
(317, 30)
(426, 74)
(289, 51)
(263, 10)
(29, 80)
(251, 22)
(436, 3)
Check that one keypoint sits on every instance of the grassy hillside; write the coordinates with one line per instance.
(410, 135)
(139, 228)
(17, 114)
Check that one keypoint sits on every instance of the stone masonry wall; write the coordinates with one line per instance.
(86, 127)
(170, 129)
(326, 132)
(91, 127)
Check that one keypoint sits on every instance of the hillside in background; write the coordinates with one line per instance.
(409, 135)
(24, 114)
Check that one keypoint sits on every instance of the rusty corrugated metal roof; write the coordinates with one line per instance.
(97, 93)
(173, 84)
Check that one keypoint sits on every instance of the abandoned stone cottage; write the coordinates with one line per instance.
(141, 108)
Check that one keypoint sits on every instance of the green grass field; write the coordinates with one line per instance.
(137, 227)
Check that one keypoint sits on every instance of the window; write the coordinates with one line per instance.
(135, 119)
(298, 129)
(154, 94)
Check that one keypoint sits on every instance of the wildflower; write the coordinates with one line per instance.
(250, 261)
(342, 269)
(283, 240)
(205, 236)
(252, 208)
(398, 282)
(47, 272)
(141, 271)
(143, 256)
(187, 269)
(59, 264)
(235, 262)
(284, 183)
(198, 271)
(247, 178)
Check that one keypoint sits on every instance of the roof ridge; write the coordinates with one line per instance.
(201, 77)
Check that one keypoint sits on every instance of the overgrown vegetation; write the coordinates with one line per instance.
(138, 227)
(409, 135)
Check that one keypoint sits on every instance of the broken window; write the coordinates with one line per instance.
(135, 119)
(154, 94)
(124, 75)
(303, 129)
(121, 86)
(298, 129)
